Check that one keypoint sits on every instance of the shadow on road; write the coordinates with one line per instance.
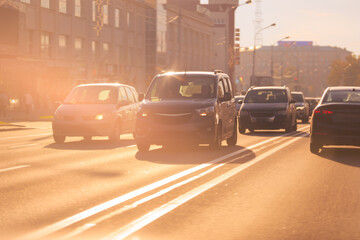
(91, 145)
(191, 154)
(347, 156)
(269, 133)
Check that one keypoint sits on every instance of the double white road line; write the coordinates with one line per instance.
(164, 209)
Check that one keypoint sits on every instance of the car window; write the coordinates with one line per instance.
(123, 95)
(92, 95)
(298, 97)
(226, 86)
(342, 96)
(221, 91)
(266, 96)
(130, 95)
(230, 87)
(135, 94)
(181, 87)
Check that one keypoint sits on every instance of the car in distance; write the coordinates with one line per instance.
(302, 107)
(313, 102)
(106, 109)
(268, 108)
(187, 107)
(238, 101)
(336, 120)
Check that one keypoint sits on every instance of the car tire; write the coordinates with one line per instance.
(231, 141)
(59, 138)
(242, 129)
(315, 148)
(115, 135)
(216, 143)
(295, 126)
(288, 127)
(143, 146)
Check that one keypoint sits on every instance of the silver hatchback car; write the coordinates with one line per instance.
(96, 110)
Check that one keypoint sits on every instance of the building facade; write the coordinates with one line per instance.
(299, 65)
(52, 45)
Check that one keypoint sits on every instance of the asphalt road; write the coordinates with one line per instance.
(269, 186)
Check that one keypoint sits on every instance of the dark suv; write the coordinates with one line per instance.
(183, 107)
(268, 108)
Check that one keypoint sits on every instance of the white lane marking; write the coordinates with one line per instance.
(13, 168)
(131, 146)
(116, 201)
(25, 145)
(146, 199)
(171, 205)
(33, 135)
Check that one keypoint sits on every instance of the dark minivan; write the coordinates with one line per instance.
(268, 108)
(187, 107)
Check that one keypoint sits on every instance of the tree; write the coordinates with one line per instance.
(345, 73)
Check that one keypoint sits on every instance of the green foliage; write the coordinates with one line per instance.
(345, 73)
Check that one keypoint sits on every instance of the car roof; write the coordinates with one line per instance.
(346, 88)
(104, 84)
(269, 88)
(193, 73)
(297, 93)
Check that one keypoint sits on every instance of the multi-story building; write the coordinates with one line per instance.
(299, 65)
(180, 35)
(47, 46)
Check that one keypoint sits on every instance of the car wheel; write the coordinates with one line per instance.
(143, 146)
(314, 148)
(216, 144)
(295, 126)
(115, 135)
(288, 127)
(242, 129)
(59, 138)
(231, 141)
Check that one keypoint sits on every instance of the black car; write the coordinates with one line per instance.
(268, 108)
(187, 107)
(302, 107)
(336, 120)
(96, 110)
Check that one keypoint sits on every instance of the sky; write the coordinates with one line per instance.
(325, 22)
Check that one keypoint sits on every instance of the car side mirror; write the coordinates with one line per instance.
(141, 97)
(292, 101)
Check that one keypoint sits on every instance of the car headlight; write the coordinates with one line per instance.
(99, 117)
(204, 112)
(300, 108)
(142, 113)
(244, 113)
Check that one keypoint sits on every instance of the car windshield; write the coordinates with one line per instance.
(266, 96)
(181, 87)
(92, 95)
(297, 97)
(346, 96)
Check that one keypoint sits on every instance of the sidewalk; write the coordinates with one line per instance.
(13, 117)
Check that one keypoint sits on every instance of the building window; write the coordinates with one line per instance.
(106, 14)
(106, 47)
(45, 3)
(94, 10)
(45, 45)
(128, 19)
(62, 6)
(117, 17)
(25, 1)
(77, 8)
(93, 47)
(62, 41)
(78, 43)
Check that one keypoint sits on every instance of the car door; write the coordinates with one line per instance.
(132, 109)
(223, 106)
(231, 106)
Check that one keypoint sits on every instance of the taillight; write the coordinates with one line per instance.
(323, 112)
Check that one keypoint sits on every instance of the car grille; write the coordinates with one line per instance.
(263, 114)
(178, 118)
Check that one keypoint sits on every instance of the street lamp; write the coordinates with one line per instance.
(272, 57)
(253, 70)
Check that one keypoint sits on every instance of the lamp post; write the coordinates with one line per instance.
(253, 70)
(272, 56)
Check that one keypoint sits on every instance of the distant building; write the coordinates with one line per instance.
(299, 65)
